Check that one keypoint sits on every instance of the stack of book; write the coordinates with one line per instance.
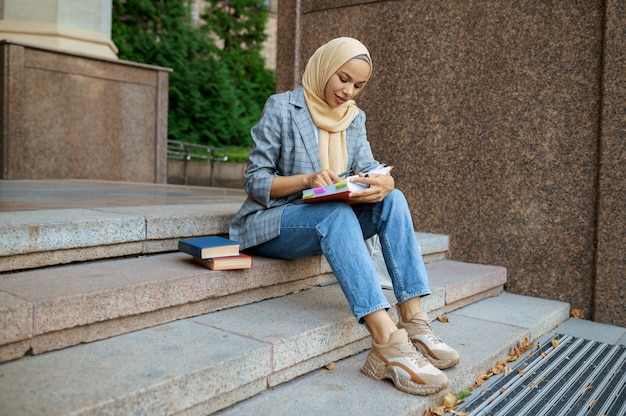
(215, 253)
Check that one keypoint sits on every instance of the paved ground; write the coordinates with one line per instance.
(32, 195)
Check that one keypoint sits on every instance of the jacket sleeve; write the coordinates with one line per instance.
(262, 163)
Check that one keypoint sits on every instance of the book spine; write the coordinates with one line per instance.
(189, 249)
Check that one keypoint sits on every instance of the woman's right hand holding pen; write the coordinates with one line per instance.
(287, 185)
(323, 178)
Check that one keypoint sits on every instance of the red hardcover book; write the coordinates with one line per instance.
(241, 261)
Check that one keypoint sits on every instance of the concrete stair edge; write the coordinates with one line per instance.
(33, 239)
(54, 308)
(320, 330)
(57, 307)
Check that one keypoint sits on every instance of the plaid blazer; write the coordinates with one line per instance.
(285, 143)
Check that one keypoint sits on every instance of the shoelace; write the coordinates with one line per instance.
(412, 353)
(427, 329)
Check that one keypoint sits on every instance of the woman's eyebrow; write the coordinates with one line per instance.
(350, 77)
(346, 74)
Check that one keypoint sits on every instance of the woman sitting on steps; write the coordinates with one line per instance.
(304, 139)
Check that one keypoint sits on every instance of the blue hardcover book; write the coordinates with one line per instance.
(209, 247)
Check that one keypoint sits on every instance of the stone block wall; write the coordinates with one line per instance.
(505, 123)
(66, 115)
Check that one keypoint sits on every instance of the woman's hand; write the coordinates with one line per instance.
(380, 187)
(286, 185)
(323, 178)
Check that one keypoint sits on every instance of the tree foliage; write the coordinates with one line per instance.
(219, 81)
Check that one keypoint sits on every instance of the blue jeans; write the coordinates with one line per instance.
(338, 231)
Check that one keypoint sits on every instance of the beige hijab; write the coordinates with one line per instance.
(331, 122)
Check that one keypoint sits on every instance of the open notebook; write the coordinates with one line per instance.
(339, 191)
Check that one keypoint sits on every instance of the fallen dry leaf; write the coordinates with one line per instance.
(450, 403)
(480, 380)
(591, 403)
(449, 400)
(586, 389)
(443, 319)
(437, 410)
(576, 313)
(502, 390)
(555, 343)
(499, 367)
(330, 366)
(544, 354)
(522, 372)
(523, 344)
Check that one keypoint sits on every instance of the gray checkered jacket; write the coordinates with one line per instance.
(285, 144)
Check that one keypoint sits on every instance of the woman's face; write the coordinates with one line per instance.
(347, 82)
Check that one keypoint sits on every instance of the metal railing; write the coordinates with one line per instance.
(185, 151)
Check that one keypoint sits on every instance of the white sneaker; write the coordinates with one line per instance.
(440, 354)
(400, 361)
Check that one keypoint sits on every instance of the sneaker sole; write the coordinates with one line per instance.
(378, 370)
(440, 364)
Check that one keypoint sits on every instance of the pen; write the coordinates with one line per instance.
(346, 173)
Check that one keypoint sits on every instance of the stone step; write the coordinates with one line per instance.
(56, 307)
(31, 239)
(206, 363)
(203, 364)
(484, 333)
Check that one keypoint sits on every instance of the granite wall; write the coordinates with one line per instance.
(66, 115)
(610, 278)
(505, 124)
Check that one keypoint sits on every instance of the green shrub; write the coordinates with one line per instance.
(238, 154)
(216, 94)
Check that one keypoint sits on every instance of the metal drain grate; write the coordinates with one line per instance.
(578, 377)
